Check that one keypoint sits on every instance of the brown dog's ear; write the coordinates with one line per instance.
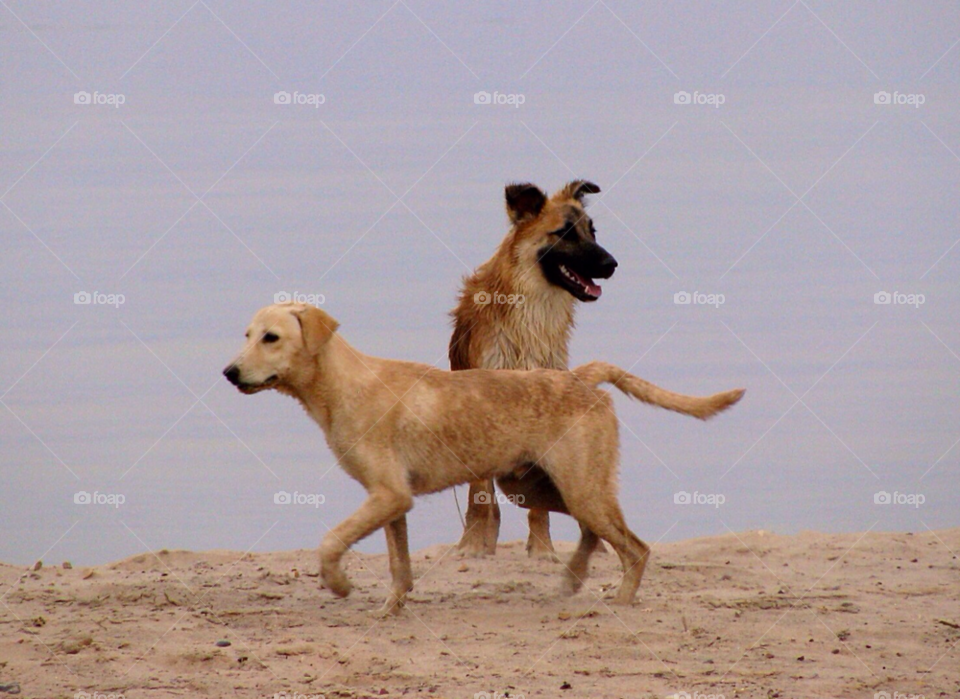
(578, 189)
(317, 327)
(523, 201)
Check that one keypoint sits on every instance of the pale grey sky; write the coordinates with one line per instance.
(198, 198)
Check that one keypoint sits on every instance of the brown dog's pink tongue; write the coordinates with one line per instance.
(588, 286)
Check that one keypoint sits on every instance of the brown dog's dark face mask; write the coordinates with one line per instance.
(569, 256)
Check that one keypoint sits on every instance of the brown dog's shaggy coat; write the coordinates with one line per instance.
(517, 312)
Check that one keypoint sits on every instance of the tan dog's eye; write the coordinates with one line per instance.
(270, 337)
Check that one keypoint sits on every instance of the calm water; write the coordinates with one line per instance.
(200, 198)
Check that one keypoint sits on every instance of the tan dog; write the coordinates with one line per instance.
(403, 429)
(516, 312)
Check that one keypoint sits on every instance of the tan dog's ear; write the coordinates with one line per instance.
(523, 201)
(578, 189)
(317, 327)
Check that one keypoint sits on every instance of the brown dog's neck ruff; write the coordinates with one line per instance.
(532, 334)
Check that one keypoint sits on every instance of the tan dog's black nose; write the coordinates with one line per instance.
(233, 374)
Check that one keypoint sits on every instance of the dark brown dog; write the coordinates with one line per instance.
(516, 312)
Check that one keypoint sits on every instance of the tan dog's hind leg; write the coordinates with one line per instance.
(599, 513)
(634, 555)
(633, 552)
(399, 552)
(382, 506)
(483, 521)
(578, 568)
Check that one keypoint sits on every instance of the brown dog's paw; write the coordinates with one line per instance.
(544, 555)
(540, 550)
(474, 546)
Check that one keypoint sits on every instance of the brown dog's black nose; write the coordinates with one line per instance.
(607, 266)
(233, 374)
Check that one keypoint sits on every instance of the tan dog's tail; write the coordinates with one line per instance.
(596, 373)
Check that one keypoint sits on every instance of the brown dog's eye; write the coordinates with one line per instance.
(270, 337)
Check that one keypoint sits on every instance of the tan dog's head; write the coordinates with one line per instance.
(556, 236)
(283, 341)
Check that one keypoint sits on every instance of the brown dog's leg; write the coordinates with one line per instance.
(399, 553)
(483, 521)
(539, 544)
(381, 507)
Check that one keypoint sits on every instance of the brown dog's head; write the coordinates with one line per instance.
(282, 341)
(560, 237)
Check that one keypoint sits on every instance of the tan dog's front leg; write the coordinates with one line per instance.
(399, 553)
(483, 521)
(380, 508)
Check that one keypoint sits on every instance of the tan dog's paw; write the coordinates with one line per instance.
(392, 607)
(335, 581)
(570, 586)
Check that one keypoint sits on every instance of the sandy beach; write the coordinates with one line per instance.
(752, 614)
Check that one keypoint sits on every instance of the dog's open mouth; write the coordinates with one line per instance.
(581, 286)
(251, 388)
(574, 270)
